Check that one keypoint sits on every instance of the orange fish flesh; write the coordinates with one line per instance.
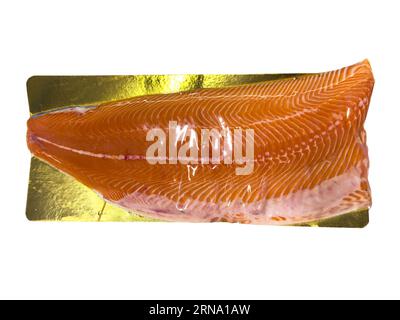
(277, 152)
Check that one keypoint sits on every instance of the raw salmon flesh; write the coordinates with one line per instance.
(278, 152)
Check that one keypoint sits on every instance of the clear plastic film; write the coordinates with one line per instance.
(261, 149)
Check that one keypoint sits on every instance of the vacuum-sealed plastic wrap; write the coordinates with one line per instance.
(282, 150)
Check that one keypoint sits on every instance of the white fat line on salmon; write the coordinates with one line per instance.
(230, 142)
(88, 153)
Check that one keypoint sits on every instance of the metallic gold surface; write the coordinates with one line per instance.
(53, 195)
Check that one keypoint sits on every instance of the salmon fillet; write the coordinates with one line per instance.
(278, 152)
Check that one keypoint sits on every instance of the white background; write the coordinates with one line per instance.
(138, 260)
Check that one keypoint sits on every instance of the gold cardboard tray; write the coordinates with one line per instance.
(54, 196)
